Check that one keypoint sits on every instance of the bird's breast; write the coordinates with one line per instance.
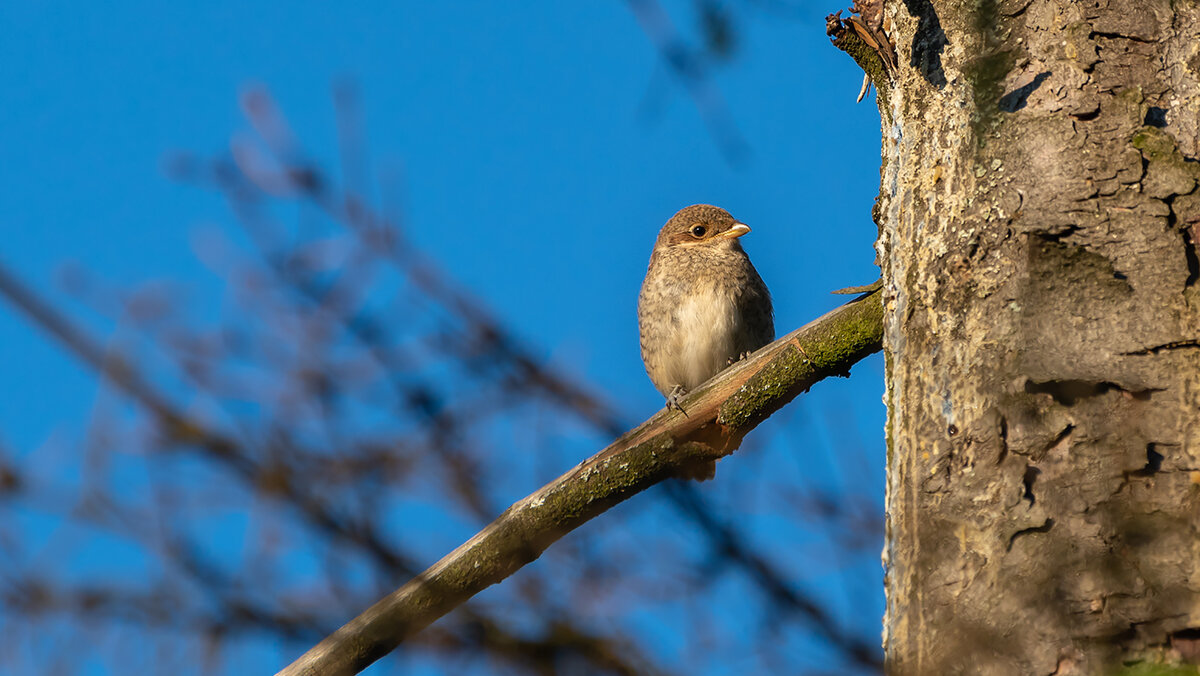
(707, 324)
(688, 329)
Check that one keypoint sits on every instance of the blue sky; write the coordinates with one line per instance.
(536, 147)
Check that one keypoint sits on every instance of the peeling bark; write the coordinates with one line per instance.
(1039, 214)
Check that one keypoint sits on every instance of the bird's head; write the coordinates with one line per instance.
(701, 227)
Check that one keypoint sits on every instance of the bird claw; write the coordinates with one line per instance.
(734, 360)
(674, 397)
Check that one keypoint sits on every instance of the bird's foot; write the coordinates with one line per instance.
(734, 360)
(674, 397)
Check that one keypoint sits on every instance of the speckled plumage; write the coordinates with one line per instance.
(702, 305)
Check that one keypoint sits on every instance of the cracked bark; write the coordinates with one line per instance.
(1038, 221)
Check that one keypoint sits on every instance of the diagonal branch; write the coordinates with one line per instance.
(719, 414)
(482, 333)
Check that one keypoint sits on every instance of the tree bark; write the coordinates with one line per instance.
(1038, 220)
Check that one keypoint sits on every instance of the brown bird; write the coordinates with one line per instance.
(703, 305)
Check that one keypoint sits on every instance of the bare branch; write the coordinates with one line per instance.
(484, 333)
(670, 444)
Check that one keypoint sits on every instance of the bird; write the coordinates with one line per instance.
(702, 306)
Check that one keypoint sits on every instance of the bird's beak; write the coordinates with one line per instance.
(736, 231)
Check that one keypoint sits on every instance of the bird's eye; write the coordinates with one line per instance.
(698, 231)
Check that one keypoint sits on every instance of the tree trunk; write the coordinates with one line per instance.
(1039, 217)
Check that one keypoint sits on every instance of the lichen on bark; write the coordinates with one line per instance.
(1038, 216)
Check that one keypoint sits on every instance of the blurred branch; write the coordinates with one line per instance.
(731, 545)
(719, 414)
(689, 67)
(276, 479)
(159, 608)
